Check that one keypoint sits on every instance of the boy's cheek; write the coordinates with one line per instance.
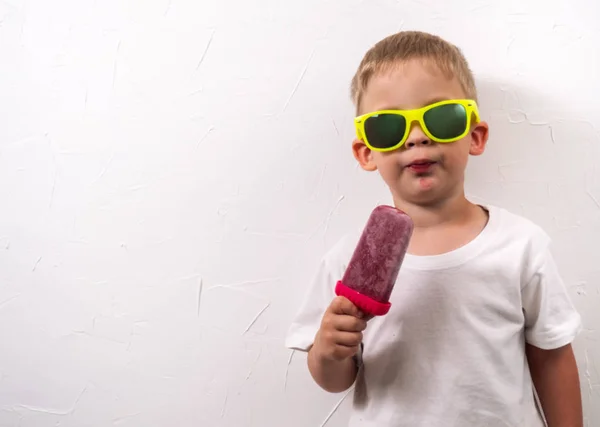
(390, 171)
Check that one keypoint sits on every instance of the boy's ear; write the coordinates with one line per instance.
(479, 138)
(363, 155)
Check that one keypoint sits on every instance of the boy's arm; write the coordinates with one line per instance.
(556, 380)
(332, 375)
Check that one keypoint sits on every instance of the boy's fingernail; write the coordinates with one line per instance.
(360, 315)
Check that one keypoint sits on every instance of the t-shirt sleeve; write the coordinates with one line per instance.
(551, 320)
(321, 292)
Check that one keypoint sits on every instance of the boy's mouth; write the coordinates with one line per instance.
(421, 165)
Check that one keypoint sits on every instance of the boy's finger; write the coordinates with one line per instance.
(349, 339)
(342, 352)
(349, 323)
(342, 305)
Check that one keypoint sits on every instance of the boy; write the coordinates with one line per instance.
(479, 313)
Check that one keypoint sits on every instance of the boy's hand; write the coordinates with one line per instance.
(340, 334)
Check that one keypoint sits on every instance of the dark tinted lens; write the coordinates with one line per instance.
(385, 130)
(446, 121)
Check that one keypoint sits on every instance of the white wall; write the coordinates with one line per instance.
(172, 170)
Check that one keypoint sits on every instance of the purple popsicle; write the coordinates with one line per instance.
(373, 269)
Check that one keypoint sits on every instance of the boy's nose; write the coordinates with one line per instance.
(410, 143)
(417, 137)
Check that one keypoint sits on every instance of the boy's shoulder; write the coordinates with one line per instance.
(509, 225)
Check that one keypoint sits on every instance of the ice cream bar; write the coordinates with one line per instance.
(373, 269)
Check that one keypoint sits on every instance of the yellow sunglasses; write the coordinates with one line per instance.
(445, 121)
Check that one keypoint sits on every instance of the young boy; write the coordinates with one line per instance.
(479, 313)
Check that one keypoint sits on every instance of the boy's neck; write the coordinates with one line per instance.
(455, 209)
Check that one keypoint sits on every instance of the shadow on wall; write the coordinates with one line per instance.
(540, 159)
(541, 162)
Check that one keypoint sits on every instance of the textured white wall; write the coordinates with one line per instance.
(171, 171)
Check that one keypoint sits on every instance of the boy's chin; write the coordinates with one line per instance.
(422, 186)
(425, 184)
(423, 194)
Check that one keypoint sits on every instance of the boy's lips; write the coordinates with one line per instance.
(421, 165)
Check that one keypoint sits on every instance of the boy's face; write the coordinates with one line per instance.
(415, 84)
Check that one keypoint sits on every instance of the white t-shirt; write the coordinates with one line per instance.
(451, 350)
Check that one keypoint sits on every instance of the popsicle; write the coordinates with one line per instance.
(373, 269)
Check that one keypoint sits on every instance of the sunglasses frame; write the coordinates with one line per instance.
(417, 115)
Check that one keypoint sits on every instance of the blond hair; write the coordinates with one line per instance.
(407, 45)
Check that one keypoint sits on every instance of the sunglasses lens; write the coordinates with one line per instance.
(446, 121)
(385, 130)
